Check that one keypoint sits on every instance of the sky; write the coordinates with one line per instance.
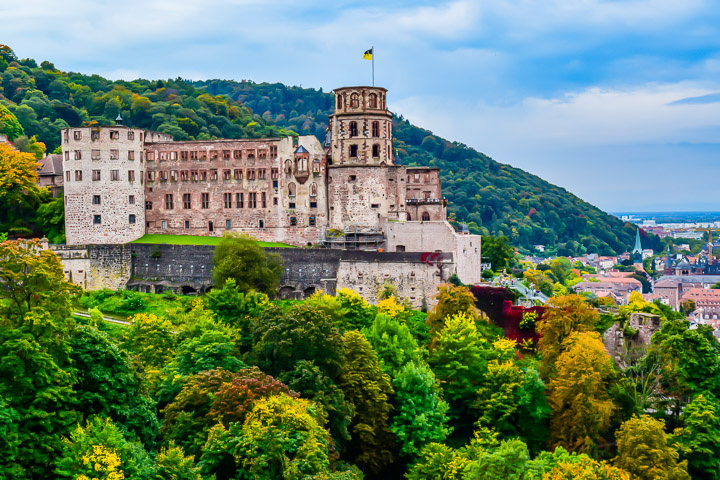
(617, 101)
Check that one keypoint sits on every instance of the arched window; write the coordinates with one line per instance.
(313, 189)
(409, 217)
(291, 189)
(339, 102)
(372, 100)
(353, 129)
(354, 100)
(376, 151)
(425, 217)
(288, 166)
(376, 129)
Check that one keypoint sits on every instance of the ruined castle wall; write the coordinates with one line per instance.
(259, 187)
(415, 276)
(424, 200)
(94, 267)
(104, 192)
(438, 237)
(360, 196)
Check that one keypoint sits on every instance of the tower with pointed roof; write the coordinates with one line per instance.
(637, 250)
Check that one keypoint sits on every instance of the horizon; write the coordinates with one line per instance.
(537, 87)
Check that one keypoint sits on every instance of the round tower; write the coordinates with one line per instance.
(361, 127)
(104, 191)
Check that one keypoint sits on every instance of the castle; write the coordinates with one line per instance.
(348, 192)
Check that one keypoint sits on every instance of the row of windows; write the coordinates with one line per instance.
(355, 101)
(353, 151)
(375, 127)
(260, 154)
(312, 221)
(97, 175)
(97, 200)
(96, 155)
(95, 135)
(230, 200)
(97, 219)
(202, 175)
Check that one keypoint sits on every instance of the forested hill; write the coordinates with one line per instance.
(490, 196)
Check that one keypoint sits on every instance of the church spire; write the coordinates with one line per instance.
(637, 251)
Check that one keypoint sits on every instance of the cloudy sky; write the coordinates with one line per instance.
(616, 100)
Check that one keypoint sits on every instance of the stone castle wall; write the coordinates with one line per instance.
(103, 186)
(265, 188)
(94, 267)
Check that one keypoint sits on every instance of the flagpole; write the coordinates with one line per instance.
(372, 49)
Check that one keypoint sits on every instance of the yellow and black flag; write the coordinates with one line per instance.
(368, 54)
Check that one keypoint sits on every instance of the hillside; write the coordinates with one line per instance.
(491, 197)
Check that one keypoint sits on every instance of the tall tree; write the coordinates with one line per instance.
(578, 394)
(451, 300)
(369, 390)
(699, 439)
(241, 258)
(19, 192)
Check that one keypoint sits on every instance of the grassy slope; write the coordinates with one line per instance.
(195, 240)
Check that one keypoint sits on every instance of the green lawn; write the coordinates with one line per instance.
(194, 240)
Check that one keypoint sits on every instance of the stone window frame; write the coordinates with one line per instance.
(353, 151)
(95, 135)
(376, 150)
(252, 200)
(95, 154)
(131, 199)
(148, 204)
(293, 221)
(227, 175)
(77, 134)
(96, 175)
(313, 189)
(205, 200)
(114, 134)
(228, 224)
(114, 154)
(187, 224)
(78, 175)
(263, 199)
(169, 201)
(131, 135)
(131, 175)
(131, 155)
(239, 200)
(131, 218)
(97, 200)
(312, 221)
(97, 219)
(292, 190)
(355, 100)
(353, 129)
(372, 100)
(273, 151)
(193, 155)
(227, 200)
(187, 201)
(67, 155)
(78, 154)
(375, 129)
(237, 154)
(67, 175)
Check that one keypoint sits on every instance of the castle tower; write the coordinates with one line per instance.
(104, 191)
(364, 185)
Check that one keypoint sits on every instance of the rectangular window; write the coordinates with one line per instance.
(193, 155)
(353, 151)
(131, 175)
(275, 184)
(77, 135)
(239, 200)
(252, 200)
(213, 154)
(150, 156)
(273, 151)
(65, 136)
(205, 200)
(186, 201)
(375, 205)
(237, 154)
(131, 199)
(275, 201)
(264, 200)
(67, 176)
(313, 204)
(78, 175)
(226, 154)
(114, 135)
(96, 175)
(311, 221)
(67, 156)
(95, 154)
(291, 205)
(237, 174)
(131, 155)
(114, 154)
(227, 224)
(148, 205)
(78, 155)
(131, 218)
(187, 224)
(97, 220)
(96, 199)
(227, 198)
(227, 175)
(95, 135)
(183, 156)
(293, 221)
(168, 201)
(164, 224)
(115, 175)
(131, 136)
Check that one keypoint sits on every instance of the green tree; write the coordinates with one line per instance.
(9, 124)
(420, 410)
(99, 450)
(369, 390)
(281, 438)
(699, 439)
(172, 464)
(283, 337)
(393, 342)
(498, 251)
(51, 219)
(644, 453)
(451, 300)
(241, 258)
(578, 394)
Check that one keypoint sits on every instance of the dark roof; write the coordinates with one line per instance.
(51, 165)
(301, 149)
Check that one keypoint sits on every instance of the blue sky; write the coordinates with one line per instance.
(617, 101)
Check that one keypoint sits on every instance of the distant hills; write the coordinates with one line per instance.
(491, 197)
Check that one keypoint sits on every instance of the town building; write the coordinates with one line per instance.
(50, 174)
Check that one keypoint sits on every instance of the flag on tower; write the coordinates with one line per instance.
(368, 54)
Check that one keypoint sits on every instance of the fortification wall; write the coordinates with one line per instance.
(94, 267)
